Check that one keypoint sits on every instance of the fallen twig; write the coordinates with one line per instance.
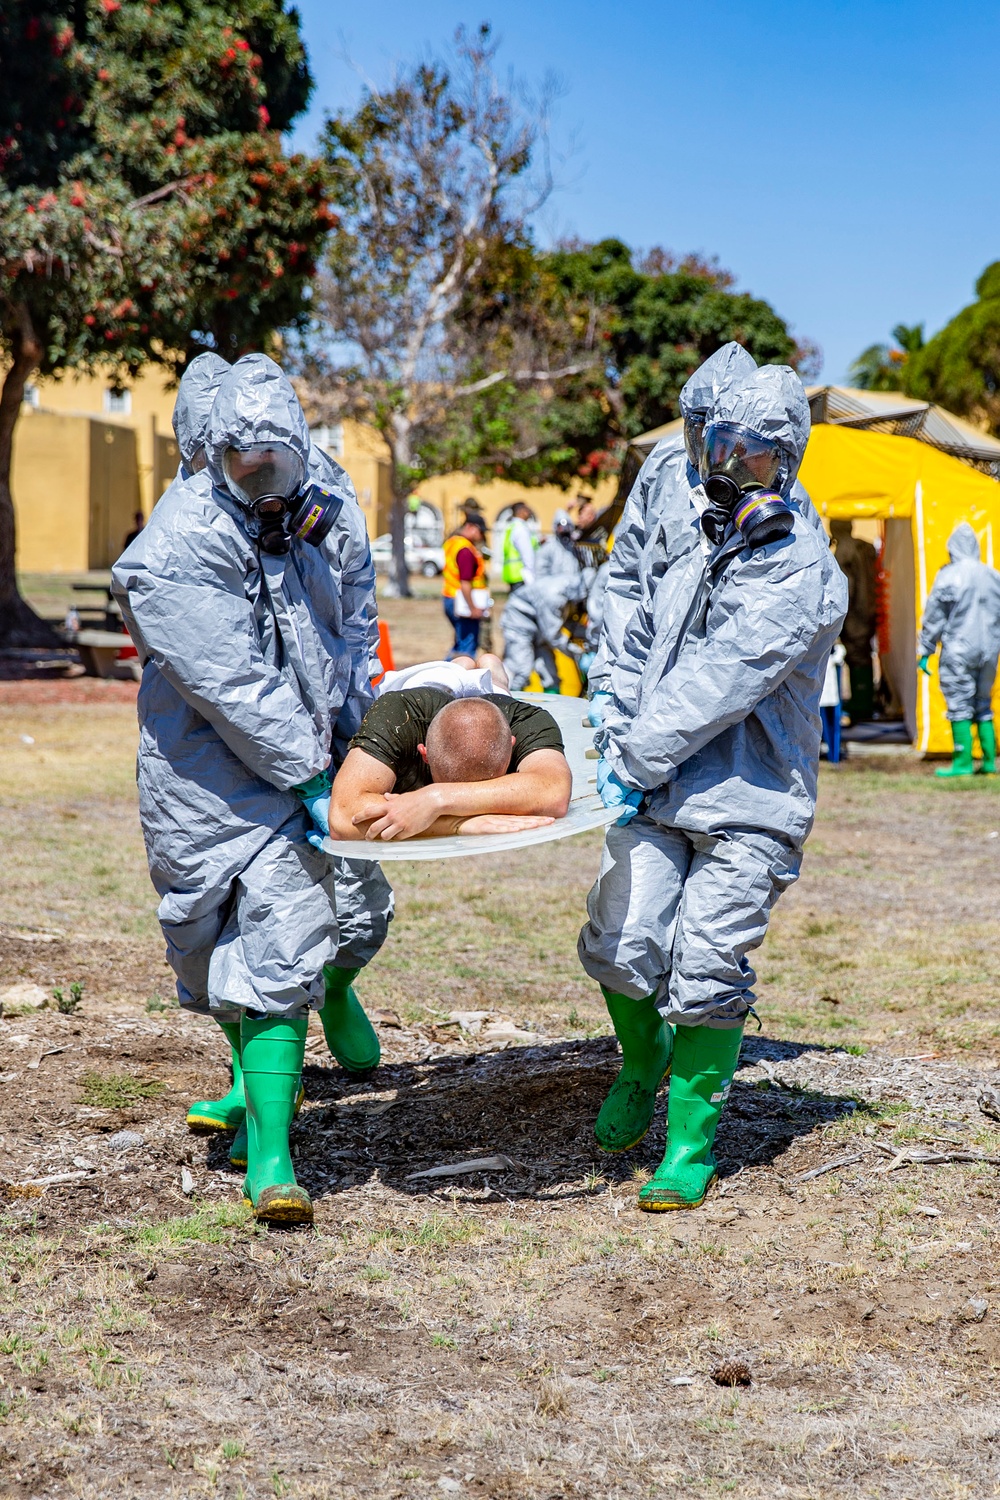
(457, 1168)
(831, 1166)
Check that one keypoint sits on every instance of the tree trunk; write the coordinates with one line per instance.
(19, 625)
(398, 439)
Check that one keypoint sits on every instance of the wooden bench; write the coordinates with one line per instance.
(99, 653)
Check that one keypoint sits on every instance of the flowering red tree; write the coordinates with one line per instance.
(147, 209)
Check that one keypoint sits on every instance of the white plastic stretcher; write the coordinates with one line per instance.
(586, 810)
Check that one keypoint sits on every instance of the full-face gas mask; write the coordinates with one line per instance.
(742, 474)
(266, 479)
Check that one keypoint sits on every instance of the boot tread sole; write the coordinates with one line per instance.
(285, 1203)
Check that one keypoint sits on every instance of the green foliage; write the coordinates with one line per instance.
(178, 222)
(888, 367)
(960, 366)
(68, 1004)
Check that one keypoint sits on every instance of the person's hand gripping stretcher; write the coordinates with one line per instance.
(426, 764)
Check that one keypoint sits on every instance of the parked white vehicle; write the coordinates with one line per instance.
(420, 558)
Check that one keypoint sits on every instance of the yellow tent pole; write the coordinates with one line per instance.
(925, 682)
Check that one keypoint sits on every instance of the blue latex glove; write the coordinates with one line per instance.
(922, 664)
(614, 793)
(315, 796)
(586, 662)
(596, 709)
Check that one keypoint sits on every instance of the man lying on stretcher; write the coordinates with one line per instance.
(426, 763)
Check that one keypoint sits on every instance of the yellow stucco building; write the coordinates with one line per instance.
(87, 457)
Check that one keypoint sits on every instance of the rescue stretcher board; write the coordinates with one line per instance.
(586, 810)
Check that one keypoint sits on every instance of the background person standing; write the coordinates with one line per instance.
(858, 563)
(464, 577)
(518, 548)
(963, 615)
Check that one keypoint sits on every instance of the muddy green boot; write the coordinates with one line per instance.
(238, 1150)
(646, 1041)
(961, 765)
(350, 1035)
(988, 745)
(704, 1062)
(229, 1112)
(273, 1049)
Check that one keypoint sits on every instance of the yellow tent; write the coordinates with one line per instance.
(918, 495)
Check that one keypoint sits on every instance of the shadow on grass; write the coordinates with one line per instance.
(533, 1105)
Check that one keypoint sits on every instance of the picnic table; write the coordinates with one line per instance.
(101, 652)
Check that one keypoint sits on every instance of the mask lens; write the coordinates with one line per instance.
(265, 471)
(736, 453)
(694, 431)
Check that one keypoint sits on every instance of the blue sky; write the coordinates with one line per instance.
(839, 158)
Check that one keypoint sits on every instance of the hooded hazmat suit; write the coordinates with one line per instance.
(715, 719)
(532, 626)
(659, 524)
(255, 670)
(962, 614)
(556, 558)
(195, 398)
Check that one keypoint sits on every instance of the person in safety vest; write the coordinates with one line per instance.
(464, 580)
(962, 615)
(249, 596)
(709, 746)
(518, 548)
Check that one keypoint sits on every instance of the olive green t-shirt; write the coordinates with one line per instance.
(398, 722)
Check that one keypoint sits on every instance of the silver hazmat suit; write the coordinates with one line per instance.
(195, 398)
(532, 626)
(248, 687)
(963, 614)
(715, 717)
(660, 522)
(555, 558)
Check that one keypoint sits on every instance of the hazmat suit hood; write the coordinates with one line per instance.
(963, 543)
(773, 404)
(195, 398)
(256, 404)
(730, 365)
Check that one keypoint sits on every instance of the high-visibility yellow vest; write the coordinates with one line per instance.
(513, 563)
(452, 583)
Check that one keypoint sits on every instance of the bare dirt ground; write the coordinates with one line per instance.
(520, 1331)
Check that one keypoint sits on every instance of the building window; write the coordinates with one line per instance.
(330, 439)
(117, 403)
(32, 397)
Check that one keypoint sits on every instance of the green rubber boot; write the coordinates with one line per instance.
(646, 1043)
(704, 1062)
(238, 1156)
(273, 1049)
(961, 764)
(988, 745)
(229, 1112)
(350, 1035)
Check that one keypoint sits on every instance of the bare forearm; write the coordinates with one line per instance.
(365, 807)
(522, 792)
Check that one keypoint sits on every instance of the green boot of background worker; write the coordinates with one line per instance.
(349, 1034)
(961, 764)
(988, 745)
(646, 1043)
(704, 1062)
(273, 1051)
(229, 1112)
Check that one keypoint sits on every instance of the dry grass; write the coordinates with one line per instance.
(527, 1333)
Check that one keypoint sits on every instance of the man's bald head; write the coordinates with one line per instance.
(468, 740)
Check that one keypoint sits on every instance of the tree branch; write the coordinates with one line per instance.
(523, 377)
